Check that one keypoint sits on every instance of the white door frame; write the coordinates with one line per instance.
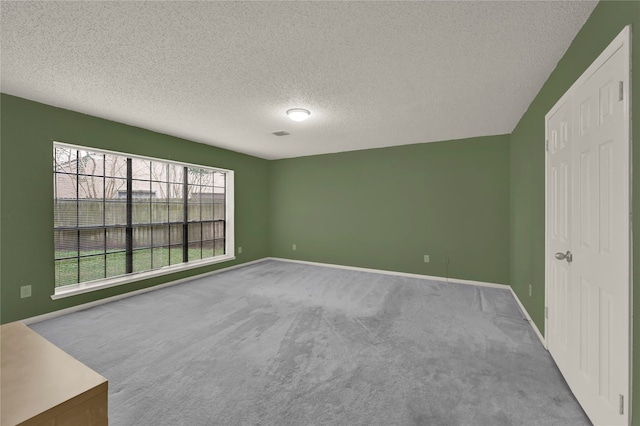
(622, 42)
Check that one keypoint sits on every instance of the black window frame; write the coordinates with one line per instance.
(217, 237)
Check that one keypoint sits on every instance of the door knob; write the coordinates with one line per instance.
(562, 256)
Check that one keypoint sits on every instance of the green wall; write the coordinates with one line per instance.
(26, 189)
(527, 164)
(386, 208)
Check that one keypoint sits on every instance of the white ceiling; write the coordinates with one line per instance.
(373, 74)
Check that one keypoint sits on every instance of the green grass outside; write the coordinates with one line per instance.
(93, 268)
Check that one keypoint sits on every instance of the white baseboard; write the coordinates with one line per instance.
(526, 314)
(400, 274)
(88, 305)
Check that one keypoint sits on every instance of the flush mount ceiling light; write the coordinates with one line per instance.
(298, 114)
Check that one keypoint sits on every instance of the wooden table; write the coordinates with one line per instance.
(41, 384)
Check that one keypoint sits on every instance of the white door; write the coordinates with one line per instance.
(588, 215)
(560, 140)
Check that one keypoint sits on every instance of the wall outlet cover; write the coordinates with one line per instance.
(25, 291)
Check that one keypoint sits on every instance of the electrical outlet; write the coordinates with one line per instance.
(426, 258)
(25, 291)
(294, 247)
(530, 289)
(239, 250)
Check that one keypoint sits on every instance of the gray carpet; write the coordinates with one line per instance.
(279, 343)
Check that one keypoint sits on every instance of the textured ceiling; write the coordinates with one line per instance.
(372, 74)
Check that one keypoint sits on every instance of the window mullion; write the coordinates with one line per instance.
(104, 209)
(201, 221)
(151, 227)
(129, 233)
(78, 209)
(185, 224)
(168, 203)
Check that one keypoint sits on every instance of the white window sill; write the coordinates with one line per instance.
(73, 290)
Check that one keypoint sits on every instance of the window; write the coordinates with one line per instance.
(116, 215)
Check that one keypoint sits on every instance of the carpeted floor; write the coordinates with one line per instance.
(279, 343)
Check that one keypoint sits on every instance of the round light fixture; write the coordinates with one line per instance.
(298, 114)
